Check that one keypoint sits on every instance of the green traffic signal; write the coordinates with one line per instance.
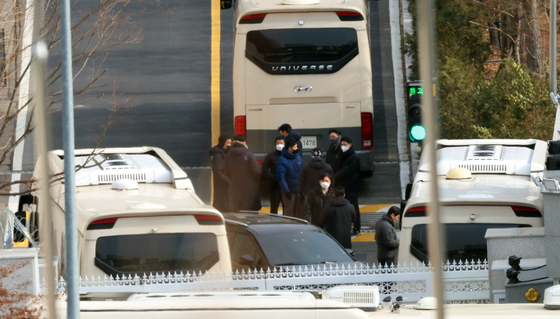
(417, 133)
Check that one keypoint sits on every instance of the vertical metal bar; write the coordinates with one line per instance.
(72, 269)
(427, 54)
(39, 59)
(553, 65)
(552, 51)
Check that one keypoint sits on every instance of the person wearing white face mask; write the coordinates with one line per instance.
(349, 177)
(308, 177)
(319, 200)
(268, 169)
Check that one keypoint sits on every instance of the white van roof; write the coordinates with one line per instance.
(106, 165)
(511, 157)
(500, 170)
(245, 7)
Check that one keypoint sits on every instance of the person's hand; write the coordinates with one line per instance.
(288, 196)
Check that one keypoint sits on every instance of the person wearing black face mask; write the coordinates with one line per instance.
(334, 153)
(220, 180)
(288, 169)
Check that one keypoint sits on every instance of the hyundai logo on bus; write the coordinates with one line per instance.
(281, 68)
(303, 89)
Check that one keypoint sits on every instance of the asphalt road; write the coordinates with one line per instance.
(166, 79)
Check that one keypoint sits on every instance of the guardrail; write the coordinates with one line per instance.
(464, 283)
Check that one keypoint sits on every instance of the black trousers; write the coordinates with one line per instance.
(353, 199)
(275, 197)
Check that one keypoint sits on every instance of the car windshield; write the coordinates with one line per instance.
(465, 242)
(302, 248)
(130, 254)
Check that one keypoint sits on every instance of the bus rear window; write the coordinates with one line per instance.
(156, 253)
(465, 242)
(302, 51)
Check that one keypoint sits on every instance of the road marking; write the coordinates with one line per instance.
(374, 208)
(363, 238)
(215, 80)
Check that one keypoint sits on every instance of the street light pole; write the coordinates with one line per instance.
(72, 270)
(427, 53)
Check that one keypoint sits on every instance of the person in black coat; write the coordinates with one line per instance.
(268, 169)
(220, 180)
(319, 199)
(339, 217)
(244, 172)
(312, 172)
(386, 237)
(349, 177)
(287, 132)
(334, 152)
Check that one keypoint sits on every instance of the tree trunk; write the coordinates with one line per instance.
(532, 30)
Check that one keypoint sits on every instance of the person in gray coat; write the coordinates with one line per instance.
(386, 237)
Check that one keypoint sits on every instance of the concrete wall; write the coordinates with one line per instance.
(528, 243)
(552, 229)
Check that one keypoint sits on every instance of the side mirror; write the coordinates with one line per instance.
(246, 260)
(226, 4)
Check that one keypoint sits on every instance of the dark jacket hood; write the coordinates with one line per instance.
(216, 150)
(295, 135)
(237, 150)
(339, 201)
(389, 219)
(288, 154)
(317, 163)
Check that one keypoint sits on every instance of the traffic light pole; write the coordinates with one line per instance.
(427, 54)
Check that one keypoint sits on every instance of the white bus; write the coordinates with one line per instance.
(499, 193)
(137, 213)
(306, 63)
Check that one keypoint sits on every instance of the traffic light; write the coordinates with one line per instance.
(416, 131)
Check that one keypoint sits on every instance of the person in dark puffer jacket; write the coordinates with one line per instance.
(386, 237)
(268, 169)
(319, 199)
(339, 217)
(312, 172)
(220, 180)
(287, 170)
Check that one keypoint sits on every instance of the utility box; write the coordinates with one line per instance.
(552, 232)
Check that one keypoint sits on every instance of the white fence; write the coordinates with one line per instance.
(464, 283)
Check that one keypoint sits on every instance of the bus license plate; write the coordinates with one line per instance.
(309, 142)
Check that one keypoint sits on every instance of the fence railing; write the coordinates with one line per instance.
(464, 283)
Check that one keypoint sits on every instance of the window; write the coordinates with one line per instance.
(242, 244)
(302, 51)
(302, 248)
(139, 254)
(465, 242)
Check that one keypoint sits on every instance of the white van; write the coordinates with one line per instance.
(498, 193)
(306, 63)
(137, 213)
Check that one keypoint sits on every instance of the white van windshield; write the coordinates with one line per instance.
(465, 242)
(302, 51)
(139, 254)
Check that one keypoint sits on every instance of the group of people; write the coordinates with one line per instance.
(323, 192)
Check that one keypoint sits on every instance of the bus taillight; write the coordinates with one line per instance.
(241, 125)
(367, 131)
(252, 18)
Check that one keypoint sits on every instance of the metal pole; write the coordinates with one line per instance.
(72, 269)
(553, 75)
(553, 67)
(39, 59)
(427, 54)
